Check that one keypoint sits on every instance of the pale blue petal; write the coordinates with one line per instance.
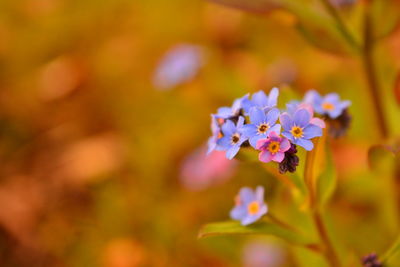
(301, 117)
(306, 144)
(276, 128)
(288, 135)
(224, 113)
(335, 113)
(273, 97)
(311, 131)
(249, 130)
(253, 140)
(332, 98)
(228, 128)
(312, 97)
(231, 152)
(246, 195)
(257, 115)
(238, 212)
(240, 122)
(260, 194)
(260, 99)
(224, 142)
(272, 116)
(286, 121)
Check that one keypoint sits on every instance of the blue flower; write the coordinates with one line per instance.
(233, 137)
(179, 65)
(299, 129)
(229, 112)
(261, 124)
(216, 134)
(261, 100)
(329, 105)
(249, 206)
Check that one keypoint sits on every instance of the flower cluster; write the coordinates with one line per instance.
(257, 122)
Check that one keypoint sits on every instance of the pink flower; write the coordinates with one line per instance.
(272, 148)
(199, 171)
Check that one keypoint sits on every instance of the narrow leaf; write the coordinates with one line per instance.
(395, 248)
(257, 6)
(259, 228)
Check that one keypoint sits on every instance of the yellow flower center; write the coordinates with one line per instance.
(328, 106)
(262, 128)
(297, 131)
(235, 138)
(273, 147)
(253, 208)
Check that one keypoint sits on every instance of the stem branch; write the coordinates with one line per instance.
(370, 73)
(329, 251)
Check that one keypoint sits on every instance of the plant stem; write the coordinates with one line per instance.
(328, 251)
(366, 52)
(371, 75)
(340, 24)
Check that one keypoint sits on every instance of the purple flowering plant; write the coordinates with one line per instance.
(256, 123)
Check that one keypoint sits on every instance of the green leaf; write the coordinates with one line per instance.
(258, 6)
(327, 179)
(395, 248)
(258, 228)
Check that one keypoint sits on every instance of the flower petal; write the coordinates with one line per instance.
(260, 194)
(238, 212)
(240, 122)
(272, 116)
(301, 117)
(232, 151)
(276, 129)
(319, 122)
(273, 97)
(286, 121)
(248, 130)
(228, 128)
(260, 99)
(285, 145)
(332, 98)
(224, 142)
(306, 144)
(311, 131)
(246, 195)
(224, 112)
(257, 115)
(254, 139)
(261, 142)
(278, 157)
(288, 135)
(265, 156)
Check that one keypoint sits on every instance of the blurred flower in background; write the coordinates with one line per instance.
(199, 171)
(179, 65)
(263, 254)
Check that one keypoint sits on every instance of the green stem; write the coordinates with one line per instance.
(341, 26)
(366, 52)
(328, 251)
(310, 180)
(371, 75)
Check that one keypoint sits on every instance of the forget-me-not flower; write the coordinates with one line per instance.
(234, 110)
(329, 105)
(298, 129)
(261, 100)
(216, 134)
(233, 138)
(179, 65)
(273, 148)
(249, 206)
(261, 124)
